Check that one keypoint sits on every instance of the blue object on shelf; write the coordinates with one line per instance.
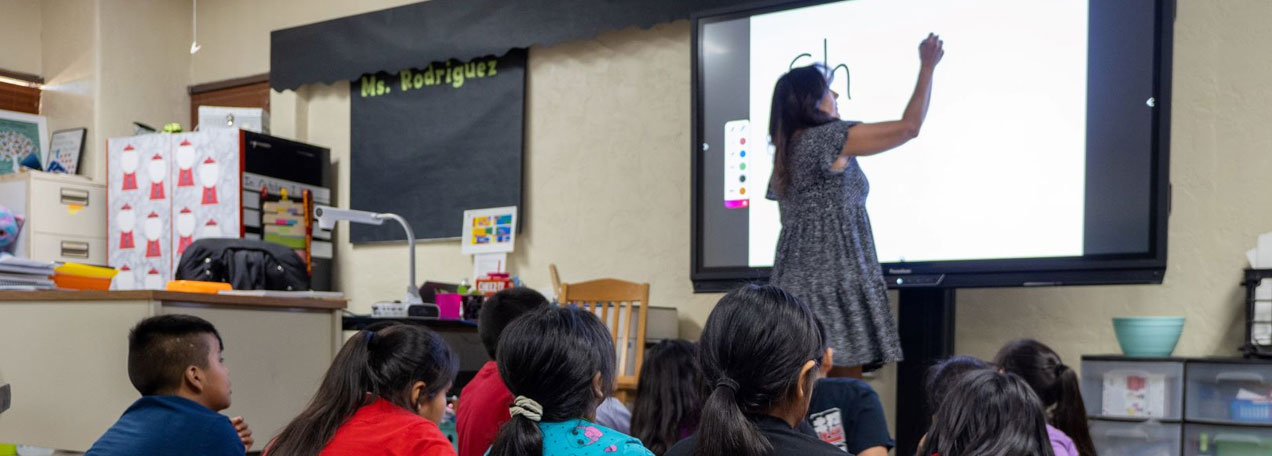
(1251, 411)
(1148, 336)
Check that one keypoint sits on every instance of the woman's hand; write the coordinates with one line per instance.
(931, 50)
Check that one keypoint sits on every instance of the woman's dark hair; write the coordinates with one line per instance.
(943, 375)
(383, 364)
(992, 414)
(668, 395)
(752, 351)
(1056, 385)
(550, 356)
(796, 99)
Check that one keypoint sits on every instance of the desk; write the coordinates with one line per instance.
(65, 356)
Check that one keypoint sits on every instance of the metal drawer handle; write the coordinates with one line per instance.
(1239, 438)
(73, 249)
(1128, 434)
(74, 196)
(1238, 376)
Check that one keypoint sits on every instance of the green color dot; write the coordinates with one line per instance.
(742, 166)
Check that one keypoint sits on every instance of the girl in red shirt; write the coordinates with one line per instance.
(383, 395)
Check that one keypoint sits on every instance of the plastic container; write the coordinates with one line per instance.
(75, 276)
(1148, 336)
(1229, 391)
(1122, 438)
(1251, 411)
(1207, 440)
(1133, 389)
(448, 306)
(74, 282)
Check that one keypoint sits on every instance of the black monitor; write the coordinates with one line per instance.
(1044, 159)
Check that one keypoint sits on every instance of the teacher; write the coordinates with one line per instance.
(825, 252)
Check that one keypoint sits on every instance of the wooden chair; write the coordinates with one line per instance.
(615, 302)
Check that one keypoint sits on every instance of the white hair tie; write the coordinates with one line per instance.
(526, 407)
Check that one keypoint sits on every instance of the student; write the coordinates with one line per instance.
(668, 395)
(483, 404)
(988, 413)
(383, 395)
(614, 415)
(942, 376)
(846, 413)
(1057, 386)
(175, 362)
(761, 353)
(559, 365)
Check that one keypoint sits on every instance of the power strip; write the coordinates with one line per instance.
(388, 309)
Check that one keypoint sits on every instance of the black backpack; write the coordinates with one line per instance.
(246, 264)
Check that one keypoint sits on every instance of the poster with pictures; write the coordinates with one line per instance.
(206, 179)
(21, 135)
(140, 211)
(164, 192)
(65, 150)
(490, 230)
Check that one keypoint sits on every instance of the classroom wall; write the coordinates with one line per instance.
(69, 56)
(607, 176)
(20, 36)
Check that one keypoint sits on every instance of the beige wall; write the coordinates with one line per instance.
(70, 72)
(20, 34)
(144, 67)
(235, 33)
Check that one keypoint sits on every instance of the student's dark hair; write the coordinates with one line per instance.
(1056, 385)
(991, 414)
(160, 348)
(550, 356)
(668, 395)
(753, 348)
(942, 376)
(796, 99)
(501, 309)
(376, 363)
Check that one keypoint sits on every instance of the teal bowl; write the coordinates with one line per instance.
(1148, 336)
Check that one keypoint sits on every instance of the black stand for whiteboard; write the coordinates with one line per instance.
(926, 327)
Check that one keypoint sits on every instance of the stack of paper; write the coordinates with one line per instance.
(23, 274)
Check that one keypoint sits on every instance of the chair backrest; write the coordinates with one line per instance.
(618, 303)
(556, 281)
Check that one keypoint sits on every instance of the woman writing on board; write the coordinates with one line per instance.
(825, 252)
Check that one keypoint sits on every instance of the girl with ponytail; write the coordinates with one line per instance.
(558, 363)
(1057, 386)
(383, 395)
(761, 352)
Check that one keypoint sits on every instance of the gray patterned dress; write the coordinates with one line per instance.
(826, 253)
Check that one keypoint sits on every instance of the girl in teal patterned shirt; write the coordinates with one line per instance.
(559, 365)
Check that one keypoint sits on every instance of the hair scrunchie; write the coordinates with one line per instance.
(727, 383)
(526, 407)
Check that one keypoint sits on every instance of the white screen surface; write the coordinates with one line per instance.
(999, 169)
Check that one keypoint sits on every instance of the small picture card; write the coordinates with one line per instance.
(490, 230)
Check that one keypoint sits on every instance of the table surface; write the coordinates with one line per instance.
(176, 296)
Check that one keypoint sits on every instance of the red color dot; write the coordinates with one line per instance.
(744, 141)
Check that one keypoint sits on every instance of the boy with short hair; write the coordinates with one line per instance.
(484, 401)
(175, 362)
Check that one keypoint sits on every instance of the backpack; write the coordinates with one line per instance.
(246, 264)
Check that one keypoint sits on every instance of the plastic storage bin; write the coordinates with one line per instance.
(1206, 440)
(1125, 438)
(1133, 389)
(1237, 392)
